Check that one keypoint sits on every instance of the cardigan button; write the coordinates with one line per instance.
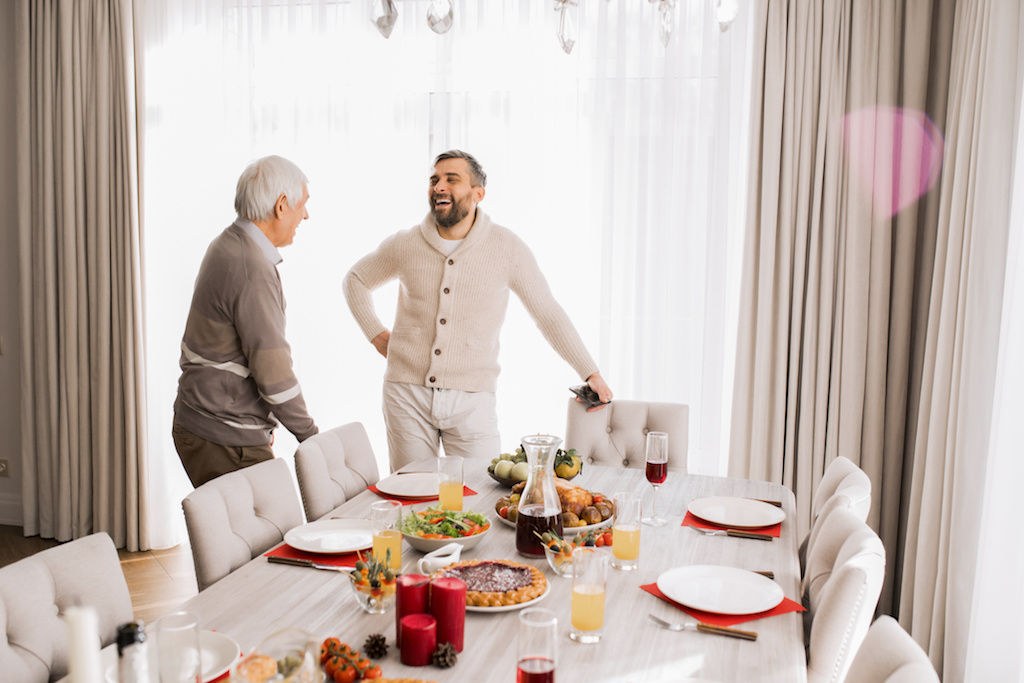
(451, 262)
(625, 462)
(609, 430)
(433, 379)
(443, 321)
(437, 352)
(446, 290)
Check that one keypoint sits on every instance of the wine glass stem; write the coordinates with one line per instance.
(654, 501)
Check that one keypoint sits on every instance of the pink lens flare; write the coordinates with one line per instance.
(894, 154)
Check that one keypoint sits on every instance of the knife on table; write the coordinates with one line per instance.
(306, 563)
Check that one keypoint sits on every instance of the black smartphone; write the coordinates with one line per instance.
(587, 395)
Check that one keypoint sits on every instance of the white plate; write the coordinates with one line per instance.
(569, 531)
(736, 513)
(331, 536)
(413, 485)
(510, 608)
(218, 653)
(722, 590)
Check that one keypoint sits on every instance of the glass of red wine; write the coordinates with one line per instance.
(656, 454)
(536, 646)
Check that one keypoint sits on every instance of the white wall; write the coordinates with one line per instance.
(10, 329)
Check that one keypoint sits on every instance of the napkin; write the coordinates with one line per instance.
(690, 520)
(466, 491)
(714, 619)
(336, 560)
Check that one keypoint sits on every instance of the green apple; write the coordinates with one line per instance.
(520, 471)
(503, 469)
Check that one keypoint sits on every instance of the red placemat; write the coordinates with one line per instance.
(690, 520)
(466, 491)
(339, 560)
(783, 607)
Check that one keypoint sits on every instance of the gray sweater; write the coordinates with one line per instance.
(236, 367)
(451, 307)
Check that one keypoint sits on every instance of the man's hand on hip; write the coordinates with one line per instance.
(597, 383)
(380, 342)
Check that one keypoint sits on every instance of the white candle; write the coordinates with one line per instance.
(83, 645)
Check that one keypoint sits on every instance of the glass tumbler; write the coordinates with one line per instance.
(537, 646)
(179, 657)
(386, 517)
(589, 575)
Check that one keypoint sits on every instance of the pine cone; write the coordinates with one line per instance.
(376, 646)
(445, 656)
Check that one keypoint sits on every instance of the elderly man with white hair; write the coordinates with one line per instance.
(236, 366)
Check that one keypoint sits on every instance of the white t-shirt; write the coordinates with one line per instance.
(450, 245)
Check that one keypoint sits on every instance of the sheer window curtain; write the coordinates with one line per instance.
(621, 165)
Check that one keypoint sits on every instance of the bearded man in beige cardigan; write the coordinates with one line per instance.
(455, 269)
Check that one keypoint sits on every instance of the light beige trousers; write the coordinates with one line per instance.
(418, 418)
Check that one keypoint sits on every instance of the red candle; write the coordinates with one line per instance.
(448, 605)
(419, 638)
(411, 595)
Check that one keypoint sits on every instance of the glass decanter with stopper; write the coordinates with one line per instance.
(539, 507)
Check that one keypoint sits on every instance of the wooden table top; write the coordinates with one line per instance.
(261, 598)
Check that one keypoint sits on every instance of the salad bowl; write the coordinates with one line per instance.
(430, 529)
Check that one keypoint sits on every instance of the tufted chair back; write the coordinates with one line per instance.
(36, 591)
(615, 435)
(237, 516)
(852, 493)
(333, 466)
(889, 655)
(841, 601)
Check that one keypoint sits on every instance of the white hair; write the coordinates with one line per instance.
(262, 182)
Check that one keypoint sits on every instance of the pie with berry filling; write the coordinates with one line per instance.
(497, 583)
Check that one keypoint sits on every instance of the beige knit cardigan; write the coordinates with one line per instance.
(451, 307)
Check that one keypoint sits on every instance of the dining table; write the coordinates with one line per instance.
(261, 597)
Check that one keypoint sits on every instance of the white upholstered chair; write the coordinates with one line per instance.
(841, 588)
(889, 655)
(333, 466)
(615, 434)
(237, 516)
(831, 478)
(36, 591)
(853, 492)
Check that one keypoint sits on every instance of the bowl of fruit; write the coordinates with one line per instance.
(510, 468)
(373, 585)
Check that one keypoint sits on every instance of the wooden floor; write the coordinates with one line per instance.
(158, 580)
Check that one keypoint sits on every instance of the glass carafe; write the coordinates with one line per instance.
(539, 507)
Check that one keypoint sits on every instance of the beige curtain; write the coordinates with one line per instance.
(835, 264)
(82, 410)
(951, 440)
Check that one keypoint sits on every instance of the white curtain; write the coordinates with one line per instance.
(621, 165)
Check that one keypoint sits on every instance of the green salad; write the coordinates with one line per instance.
(438, 523)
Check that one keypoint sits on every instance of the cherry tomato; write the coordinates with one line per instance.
(598, 498)
(503, 511)
(328, 645)
(599, 541)
(332, 664)
(607, 536)
(373, 672)
(346, 674)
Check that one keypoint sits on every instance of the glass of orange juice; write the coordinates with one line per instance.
(589, 575)
(449, 475)
(626, 531)
(386, 517)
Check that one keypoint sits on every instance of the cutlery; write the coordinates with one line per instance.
(776, 503)
(307, 563)
(765, 573)
(705, 628)
(734, 533)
